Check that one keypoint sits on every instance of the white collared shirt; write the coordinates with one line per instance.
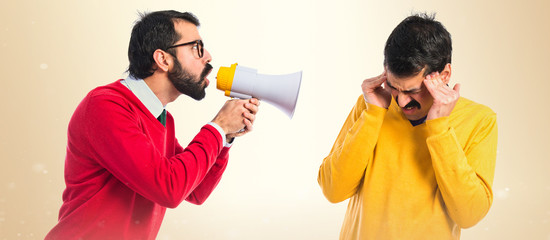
(152, 102)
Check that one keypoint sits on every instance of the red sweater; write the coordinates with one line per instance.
(124, 168)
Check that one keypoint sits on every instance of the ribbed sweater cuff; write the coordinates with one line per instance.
(375, 110)
(437, 126)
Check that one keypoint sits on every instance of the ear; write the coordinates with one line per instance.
(163, 60)
(446, 73)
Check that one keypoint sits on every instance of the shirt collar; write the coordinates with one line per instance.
(144, 94)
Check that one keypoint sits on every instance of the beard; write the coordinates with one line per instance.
(187, 83)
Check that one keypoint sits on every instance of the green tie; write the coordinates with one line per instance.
(162, 117)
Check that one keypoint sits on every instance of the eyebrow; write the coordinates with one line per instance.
(414, 90)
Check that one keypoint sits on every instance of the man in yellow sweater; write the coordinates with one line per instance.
(415, 159)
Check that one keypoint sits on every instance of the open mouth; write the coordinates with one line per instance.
(410, 109)
(205, 72)
(206, 79)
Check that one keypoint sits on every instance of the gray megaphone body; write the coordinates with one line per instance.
(280, 91)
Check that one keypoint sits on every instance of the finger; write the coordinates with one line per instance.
(251, 117)
(382, 78)
(443, 88)
(445, 95)
(237, 134)
(251, 108)
(248, 125)
(433, 82)
(381, 81)
(428, 82)
(435, 90)
(456, 88)
(431, 76)
(446, 92)
(372, 83)
(255, 101)
(240, 134)
(436, 78)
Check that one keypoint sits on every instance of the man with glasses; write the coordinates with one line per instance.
(415, 159)
(124, 166)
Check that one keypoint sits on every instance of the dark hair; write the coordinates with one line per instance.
(417, 42)
(153, 31)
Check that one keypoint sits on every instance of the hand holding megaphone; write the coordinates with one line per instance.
(237, 116)
(279, 90)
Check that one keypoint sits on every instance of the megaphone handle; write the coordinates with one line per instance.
(245, 97)
(239, 95)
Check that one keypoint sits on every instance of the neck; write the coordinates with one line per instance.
(419, 121)
(162, 87)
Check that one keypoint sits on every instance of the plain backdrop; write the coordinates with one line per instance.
(54, 52)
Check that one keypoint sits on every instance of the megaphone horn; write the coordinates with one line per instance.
(279, 90)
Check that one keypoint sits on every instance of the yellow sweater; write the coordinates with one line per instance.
(405, 182)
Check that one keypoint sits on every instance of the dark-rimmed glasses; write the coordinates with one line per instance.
(197, 45)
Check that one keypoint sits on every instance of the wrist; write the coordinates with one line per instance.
(220, 131)
(220, 126)
(437, 126)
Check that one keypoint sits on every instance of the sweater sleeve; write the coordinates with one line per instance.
(211, 180)
(121, 147)
(464, 175)
(342, 170)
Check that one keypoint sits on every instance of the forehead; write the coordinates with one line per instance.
(186, 30)
(406, 83)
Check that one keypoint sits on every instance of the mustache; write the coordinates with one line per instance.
(206, 71)
(412, 103)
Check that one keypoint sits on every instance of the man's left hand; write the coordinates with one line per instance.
(248, 119)
(444, 97)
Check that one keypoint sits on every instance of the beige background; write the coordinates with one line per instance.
(54, 52)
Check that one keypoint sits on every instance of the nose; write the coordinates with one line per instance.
(207, 57)
(403, 99)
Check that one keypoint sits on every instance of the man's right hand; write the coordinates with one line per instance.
(237, 114)
(375, 93)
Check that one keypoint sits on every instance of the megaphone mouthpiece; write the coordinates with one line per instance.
(224, 78)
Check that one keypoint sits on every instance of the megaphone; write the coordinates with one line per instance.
(280, 91)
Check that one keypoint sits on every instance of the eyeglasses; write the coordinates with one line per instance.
(197, 45)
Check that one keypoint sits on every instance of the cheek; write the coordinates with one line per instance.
(196, 67)
(187, 62)
(393, 93)
(425, 99)
(190, 66)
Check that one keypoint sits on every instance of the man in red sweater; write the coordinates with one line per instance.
(124, 166)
